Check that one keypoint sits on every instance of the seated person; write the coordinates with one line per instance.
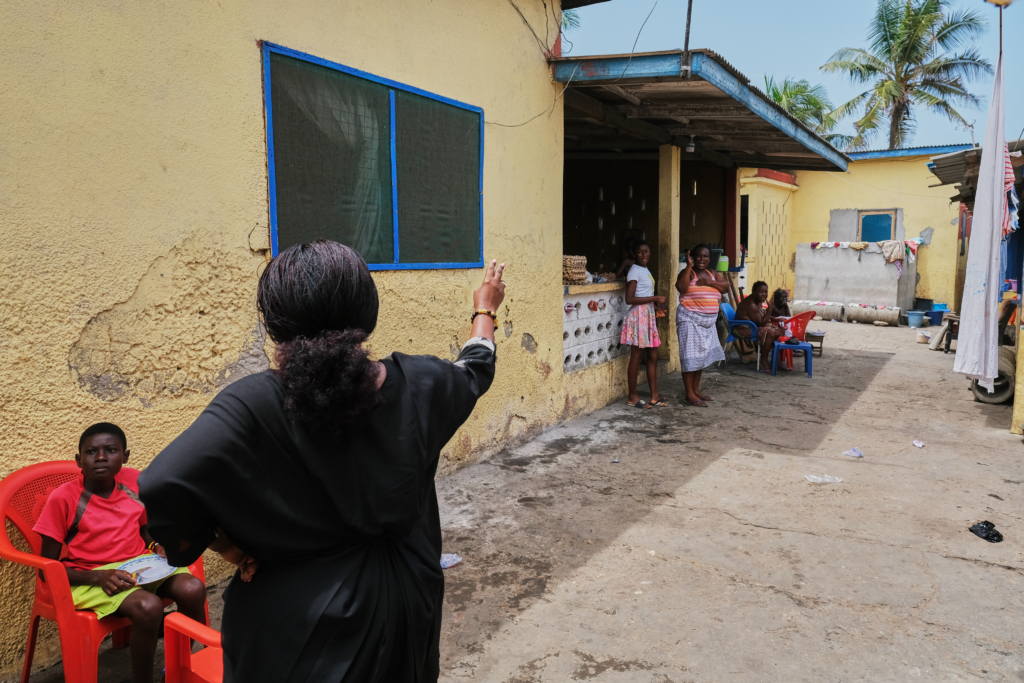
(780, 305)
(779, 312)
(103, 523)
(755, 309)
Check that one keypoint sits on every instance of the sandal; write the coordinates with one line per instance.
(639, 404)
(660, 403)
(697, 404)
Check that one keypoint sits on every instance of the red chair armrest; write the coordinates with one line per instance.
(193, 629)
(11, 554)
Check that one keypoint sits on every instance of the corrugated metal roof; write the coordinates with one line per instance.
(923, 150)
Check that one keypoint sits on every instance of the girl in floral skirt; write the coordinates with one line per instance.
(640, 329)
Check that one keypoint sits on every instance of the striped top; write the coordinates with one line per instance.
(701, 299)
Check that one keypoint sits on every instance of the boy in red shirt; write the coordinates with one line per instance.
(103, 524)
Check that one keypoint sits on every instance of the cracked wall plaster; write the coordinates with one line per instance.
(179, 333)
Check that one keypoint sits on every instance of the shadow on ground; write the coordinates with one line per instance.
(530, 516)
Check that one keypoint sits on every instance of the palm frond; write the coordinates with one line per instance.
(570, 19)
(960, 28)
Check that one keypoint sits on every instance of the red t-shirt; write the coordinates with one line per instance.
(96, 530)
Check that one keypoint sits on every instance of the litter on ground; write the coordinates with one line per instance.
(919, 443)
(987, 531)
(854, 452)
(823, 479)
(449, 560)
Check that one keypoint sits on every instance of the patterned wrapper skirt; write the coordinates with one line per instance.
(640, 328)
(698, 339)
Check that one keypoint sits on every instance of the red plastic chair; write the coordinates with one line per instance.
(797, 327)
(205, 666)
(22, 496)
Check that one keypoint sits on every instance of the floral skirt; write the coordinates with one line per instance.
(699, 346)
(640, 328)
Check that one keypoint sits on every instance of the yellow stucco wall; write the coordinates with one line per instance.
(133, 188)
(885, 184)
(769, 221)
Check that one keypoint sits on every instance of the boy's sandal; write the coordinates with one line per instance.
(660, 403)
(639, 404)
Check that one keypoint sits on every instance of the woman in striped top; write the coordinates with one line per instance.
(700, 291)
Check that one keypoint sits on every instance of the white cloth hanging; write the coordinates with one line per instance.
(977, 354)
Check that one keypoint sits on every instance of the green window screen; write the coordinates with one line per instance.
(876, 227)
(332, 158)
(438, 168)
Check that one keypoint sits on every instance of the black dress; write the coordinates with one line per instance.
(346, 531)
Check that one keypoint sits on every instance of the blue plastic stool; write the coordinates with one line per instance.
(783, 346)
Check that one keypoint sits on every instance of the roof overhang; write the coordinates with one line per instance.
(573, 4)
(961, 170)
(633, 103)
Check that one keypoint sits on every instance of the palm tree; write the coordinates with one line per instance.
(570, 19)
(809, 104)
(919, 54)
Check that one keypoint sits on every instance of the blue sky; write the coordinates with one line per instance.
(795, 37)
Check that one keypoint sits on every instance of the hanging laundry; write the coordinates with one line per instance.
(893, 250)
(874, 248)
(844, 245)
(1009, 223)
(912, 246)
(858, 245)
(814, 245)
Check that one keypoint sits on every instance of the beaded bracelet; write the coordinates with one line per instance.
(494, 317)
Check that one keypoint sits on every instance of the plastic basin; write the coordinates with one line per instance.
(915, 318)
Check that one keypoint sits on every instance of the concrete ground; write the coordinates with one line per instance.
(704, 555)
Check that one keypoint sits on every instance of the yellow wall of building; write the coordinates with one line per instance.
(133, 186)
(900, 182)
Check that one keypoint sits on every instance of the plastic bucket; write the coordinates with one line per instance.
(940, 307)
(723, 264)
(915, 318)
(935, 316)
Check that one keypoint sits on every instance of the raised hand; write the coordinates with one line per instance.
(491, 293)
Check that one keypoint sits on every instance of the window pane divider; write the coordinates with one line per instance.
(394, 177)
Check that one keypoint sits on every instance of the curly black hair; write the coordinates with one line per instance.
(319, 304)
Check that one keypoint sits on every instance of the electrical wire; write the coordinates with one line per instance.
(546, 111)
(575, 69)
(630, 60)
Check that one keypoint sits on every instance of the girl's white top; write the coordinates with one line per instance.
(644, 280)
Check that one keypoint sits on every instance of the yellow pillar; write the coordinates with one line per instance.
(668, 249)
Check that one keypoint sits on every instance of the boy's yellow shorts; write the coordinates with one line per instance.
(93, 597)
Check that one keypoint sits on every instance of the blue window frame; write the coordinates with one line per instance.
(392, 170)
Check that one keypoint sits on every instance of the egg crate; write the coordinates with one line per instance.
(574, 269)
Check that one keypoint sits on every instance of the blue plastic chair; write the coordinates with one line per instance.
(730, 316)
(786, 346)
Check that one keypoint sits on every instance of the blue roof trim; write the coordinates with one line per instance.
(912, 152)
(713, 73)
(603, 68)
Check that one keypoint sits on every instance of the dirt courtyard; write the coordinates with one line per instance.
(704, 555)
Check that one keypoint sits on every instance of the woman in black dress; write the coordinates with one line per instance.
(317, 480)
